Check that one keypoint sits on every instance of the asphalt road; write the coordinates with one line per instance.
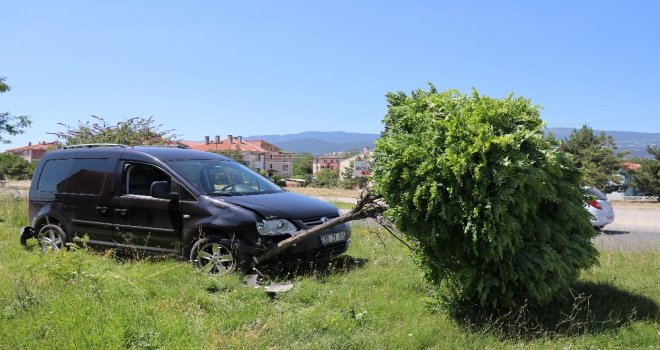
(636, 226)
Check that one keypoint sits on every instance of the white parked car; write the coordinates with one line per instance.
(599, 207)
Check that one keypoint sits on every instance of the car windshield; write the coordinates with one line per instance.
(223, 177)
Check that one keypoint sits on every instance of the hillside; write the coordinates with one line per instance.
(634, 142)
(320, 142)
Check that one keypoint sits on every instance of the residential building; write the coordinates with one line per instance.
(257, 154)
(33, 152)
(326, 162)
(627, 172)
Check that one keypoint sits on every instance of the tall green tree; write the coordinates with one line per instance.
(595, 155)
(131, 132)
(11, 124)
(647, 178)
(495, 210)
(302, 164)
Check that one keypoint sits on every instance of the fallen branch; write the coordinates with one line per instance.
(369, 206)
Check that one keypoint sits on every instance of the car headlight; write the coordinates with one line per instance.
(276, 227)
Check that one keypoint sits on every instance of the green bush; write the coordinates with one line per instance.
(496, 211)
(326, 179)
(14, 167)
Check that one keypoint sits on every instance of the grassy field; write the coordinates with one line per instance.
(372, 298)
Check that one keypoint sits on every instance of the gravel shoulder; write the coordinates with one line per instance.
(636, 226)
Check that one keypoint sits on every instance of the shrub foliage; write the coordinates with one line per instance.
(131, 132)
(496, 211)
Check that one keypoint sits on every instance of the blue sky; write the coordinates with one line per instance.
(277, 67)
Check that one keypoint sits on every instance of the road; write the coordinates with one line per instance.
(636, 226)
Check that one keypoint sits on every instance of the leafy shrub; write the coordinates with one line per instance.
(14, 167)
(326, 179)
(496, 211)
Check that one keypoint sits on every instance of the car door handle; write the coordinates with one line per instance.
(102, 210)
(121, 212)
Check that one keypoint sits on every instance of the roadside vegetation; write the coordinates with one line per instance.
(374, 297)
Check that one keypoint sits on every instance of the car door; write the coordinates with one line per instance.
(80, 188)
(142, 221)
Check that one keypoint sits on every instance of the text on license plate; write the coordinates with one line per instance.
(333, 237)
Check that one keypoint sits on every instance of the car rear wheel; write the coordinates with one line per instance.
(51, 237)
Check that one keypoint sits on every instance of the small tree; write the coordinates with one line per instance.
(594, 154)
(302, 165)
(10, 124)
(326, 178)
(131, 132)
(496, 212)
(14, 167)
(647, 178)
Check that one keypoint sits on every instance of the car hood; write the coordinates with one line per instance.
(285, 205)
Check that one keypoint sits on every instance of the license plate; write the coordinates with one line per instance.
(333, 237)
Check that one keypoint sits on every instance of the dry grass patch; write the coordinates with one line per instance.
(325, 192)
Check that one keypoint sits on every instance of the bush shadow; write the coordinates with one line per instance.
(588, 308)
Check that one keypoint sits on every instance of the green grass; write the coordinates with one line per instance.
(374, 298)
(343, 205)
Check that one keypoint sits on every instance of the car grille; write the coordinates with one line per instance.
(311, 222)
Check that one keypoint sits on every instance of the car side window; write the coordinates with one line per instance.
(138, 177)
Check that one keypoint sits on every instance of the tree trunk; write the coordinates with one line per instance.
(367, 207)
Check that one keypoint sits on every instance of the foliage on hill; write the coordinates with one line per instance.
(496, 211)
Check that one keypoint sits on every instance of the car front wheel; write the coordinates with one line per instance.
(213, 254)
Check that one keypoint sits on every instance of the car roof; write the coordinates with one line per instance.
(158, 152)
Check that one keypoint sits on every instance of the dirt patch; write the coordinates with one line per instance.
(325, 192)
(627, 204)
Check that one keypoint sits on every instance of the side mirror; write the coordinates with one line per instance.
(161, 189)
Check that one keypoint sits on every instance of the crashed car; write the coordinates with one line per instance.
(196, 205)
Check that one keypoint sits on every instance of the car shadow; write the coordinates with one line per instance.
(588, 308)
(615, 232)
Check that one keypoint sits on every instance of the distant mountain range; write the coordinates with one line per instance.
(634, 142)
(322, 142)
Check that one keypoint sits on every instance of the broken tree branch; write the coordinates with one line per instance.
(369, 206)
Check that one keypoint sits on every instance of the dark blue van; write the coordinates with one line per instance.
(197, 205)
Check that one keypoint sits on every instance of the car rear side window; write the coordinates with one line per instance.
(53, 177)
(596, 193)
(76, 176)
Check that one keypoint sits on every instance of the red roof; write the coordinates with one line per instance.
(224, 145)
(630, 166)
(41, 146)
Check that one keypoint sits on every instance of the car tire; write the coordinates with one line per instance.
(217, 255)
(51, 237)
